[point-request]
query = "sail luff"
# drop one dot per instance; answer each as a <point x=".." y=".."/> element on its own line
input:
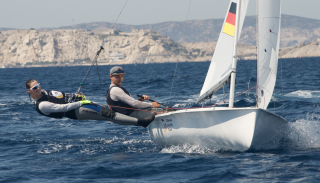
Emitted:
<point x="269" y="43"/>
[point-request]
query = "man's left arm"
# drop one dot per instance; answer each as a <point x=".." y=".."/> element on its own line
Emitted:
<point x="133" y="102"/>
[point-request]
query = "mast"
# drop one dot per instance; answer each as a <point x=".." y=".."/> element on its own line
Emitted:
<point x="257" y="43"/>
<point x="234" y="62"/>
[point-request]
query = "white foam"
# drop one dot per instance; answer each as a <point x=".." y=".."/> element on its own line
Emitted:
<point x="89" y="146"/>
<point x="303" y="134"/>
<point x="304" y="94"/>
<point x="51" y="148"/>
<point x="189" y="149"/>
<point x="69" y="146"/>
<point x="136" y="141"/>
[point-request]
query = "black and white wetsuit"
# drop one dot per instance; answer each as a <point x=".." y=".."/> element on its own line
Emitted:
<point x="57" y="104"/>
<point x="119" y="96"/>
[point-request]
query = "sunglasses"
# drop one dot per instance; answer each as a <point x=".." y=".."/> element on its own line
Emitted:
<point x="118" y="72"/>
<point x="35" y="87"/>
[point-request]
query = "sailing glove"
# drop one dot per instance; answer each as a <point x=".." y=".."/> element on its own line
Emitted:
<point x="85" y="102"/>
<point x="81" y="97"/>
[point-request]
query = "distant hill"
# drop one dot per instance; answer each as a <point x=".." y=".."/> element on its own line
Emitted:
<point x="4" y="29"/>
<point x="295" y="30"/>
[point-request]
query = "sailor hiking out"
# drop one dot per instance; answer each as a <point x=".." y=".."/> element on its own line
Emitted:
<point x="56" y="104"/>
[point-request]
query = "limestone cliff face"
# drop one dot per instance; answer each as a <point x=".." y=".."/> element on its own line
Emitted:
<point x="31" y="47"/>
<point x="311" y="49"/>
<point x="73" y="47"/>
<point x="248" y="52"/>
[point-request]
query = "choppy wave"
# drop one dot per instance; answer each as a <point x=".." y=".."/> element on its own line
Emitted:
<point x="38" y="149"/>
<point x="97" y="145"/>
<point x="303" y="135"/>
<point x="308" y="94"/>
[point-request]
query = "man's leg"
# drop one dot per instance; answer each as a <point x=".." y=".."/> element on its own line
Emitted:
<point x="96" y="112"/>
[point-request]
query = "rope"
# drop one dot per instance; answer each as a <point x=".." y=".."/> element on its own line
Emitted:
<point x="282" y="92"/>
<point x="119" y="14"/>
<point x="224" y="95"/>
<point x="98" y="73"/>
<point x="235" y="96"/>
<point x="252" y="70"/>
<point x="177" y="62"/>
<point x="110" y="106"/>
<point x="172" y="83"/>
<point x="188" y="10"/>
<point x="95" y="60"/>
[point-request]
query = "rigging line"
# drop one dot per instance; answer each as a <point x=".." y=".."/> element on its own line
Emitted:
<point x="137" y="109"/>
<point x="115" y="21"/>
<point x="235" y="96"/>
<point x="274" y="106"/>
<point x="101" y="48"/>
<point x="95" y="61"/>
<point x="119" y="15"/>
<point x="224" y="96"/>
<point x="98" y="73"/>
<point x="188" y="10"/>
<point x="85" y="77"/>
<point x="252" y="70"/>
<point x="224" y="101"/>
<point x="172" y="83"/>
<point x="282" y="91"/>
<point x="177" y="61"/>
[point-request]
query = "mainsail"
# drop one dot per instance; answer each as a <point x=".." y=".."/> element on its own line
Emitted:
<point x="220" y="67"/>
<point x="268" y="49"/>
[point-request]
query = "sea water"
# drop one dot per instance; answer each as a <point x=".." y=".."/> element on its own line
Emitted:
<point x="34" y="148"/>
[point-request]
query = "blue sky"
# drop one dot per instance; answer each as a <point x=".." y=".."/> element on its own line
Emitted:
<point x="26" y="14"/>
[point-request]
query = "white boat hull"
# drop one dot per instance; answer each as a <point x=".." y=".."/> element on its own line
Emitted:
<point x="219" y="128"/>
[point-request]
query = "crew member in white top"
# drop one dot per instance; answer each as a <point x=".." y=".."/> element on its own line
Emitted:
<point x="120" y="99"/>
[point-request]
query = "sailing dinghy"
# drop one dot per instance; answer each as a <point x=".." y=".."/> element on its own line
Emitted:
<point x="229" y="128"/>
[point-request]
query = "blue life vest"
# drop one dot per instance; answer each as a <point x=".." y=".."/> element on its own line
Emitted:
<point x="57" y="98"/>
<point x="113" y="103"/>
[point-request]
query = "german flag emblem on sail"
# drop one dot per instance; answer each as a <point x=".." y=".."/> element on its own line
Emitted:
<point x="229" y="26"/>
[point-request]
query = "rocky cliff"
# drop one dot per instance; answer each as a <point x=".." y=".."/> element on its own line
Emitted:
<point x="33" y="47"/>
<point x="73" y="47"/>
<point x="311" y="49"/>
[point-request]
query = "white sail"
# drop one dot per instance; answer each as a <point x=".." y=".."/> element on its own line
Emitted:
<point x="221" y="62"/>
<point x="268" y="49"/>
